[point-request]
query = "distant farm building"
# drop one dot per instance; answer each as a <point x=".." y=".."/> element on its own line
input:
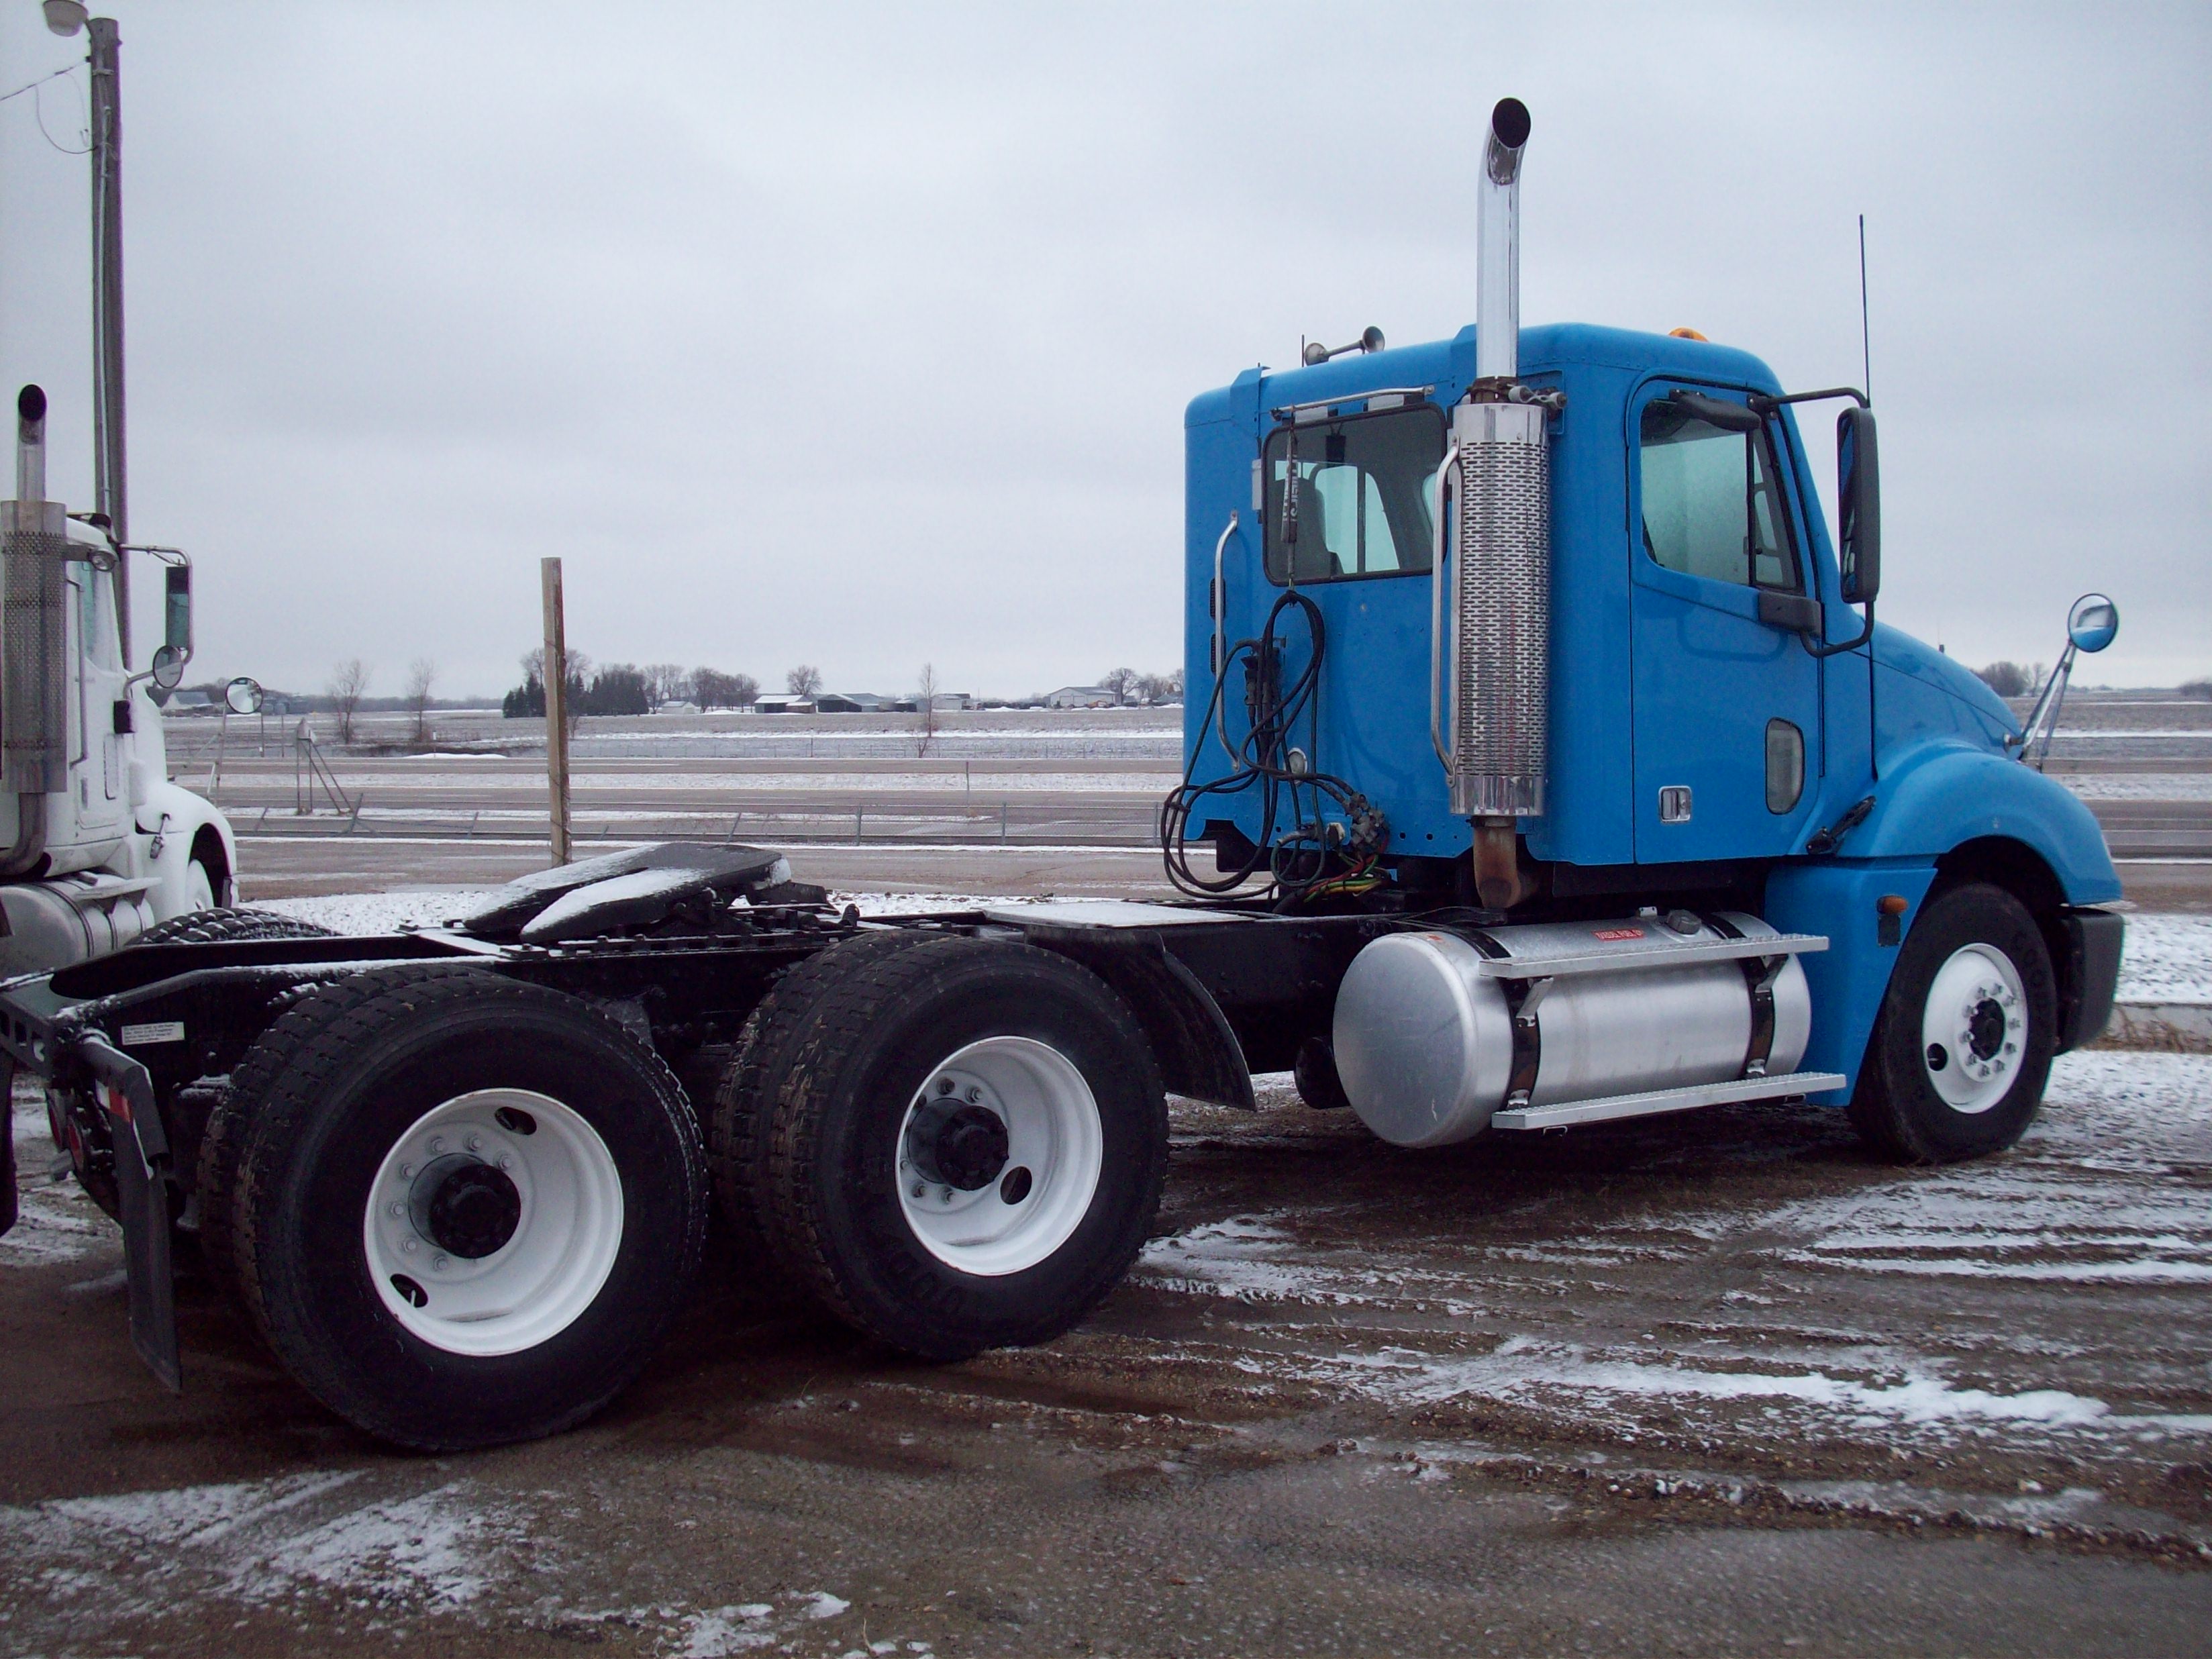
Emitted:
<point x="1080" y="696"/>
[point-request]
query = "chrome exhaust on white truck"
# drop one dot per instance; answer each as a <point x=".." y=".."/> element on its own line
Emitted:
<point x="34" y="620"/>
<point x="1497" y="475"/>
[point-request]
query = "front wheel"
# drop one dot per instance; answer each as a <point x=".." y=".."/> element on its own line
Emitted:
<point x="1962" y="1050"/>
<point x="967" y="1147"/>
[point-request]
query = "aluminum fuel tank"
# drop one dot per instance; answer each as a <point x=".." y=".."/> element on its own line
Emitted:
<point x="1425" y="1037"/>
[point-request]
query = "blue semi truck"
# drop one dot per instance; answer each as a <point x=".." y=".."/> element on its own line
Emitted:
<point x="1545" y="766"/>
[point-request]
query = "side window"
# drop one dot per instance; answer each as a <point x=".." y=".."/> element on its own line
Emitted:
<point x="1712" y="502"/>
<point x="1350" y="497"/>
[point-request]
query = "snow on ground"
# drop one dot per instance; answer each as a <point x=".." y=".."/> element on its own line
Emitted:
<point x="2102" y="1202"/>
<point x="2139" y="785"/>
<point x="380" y="913"/>
<point x="992" y="784"/>
<point x="384" y="1540"/>
<point x="2166" y="959"/>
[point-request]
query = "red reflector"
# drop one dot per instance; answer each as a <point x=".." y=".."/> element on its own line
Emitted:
<point x="1891" y="904"/>
<point x="1617" y="933"/>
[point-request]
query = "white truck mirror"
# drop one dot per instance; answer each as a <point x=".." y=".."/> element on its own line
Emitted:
<point x="243" y="696"/>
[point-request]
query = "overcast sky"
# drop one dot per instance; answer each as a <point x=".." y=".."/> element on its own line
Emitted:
<point x="861" y="336"/>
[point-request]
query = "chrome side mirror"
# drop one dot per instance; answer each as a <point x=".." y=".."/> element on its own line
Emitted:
<point x="168" y="668"/>
<point x="177" y="611"/>
<point x="2092" y="622"/>
<point x="243" y="696"/>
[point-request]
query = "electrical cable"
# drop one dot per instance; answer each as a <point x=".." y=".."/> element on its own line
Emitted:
<point x="1298" y="864"/>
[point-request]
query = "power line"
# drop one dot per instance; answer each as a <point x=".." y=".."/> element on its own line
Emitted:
<point x="66" y="68"/>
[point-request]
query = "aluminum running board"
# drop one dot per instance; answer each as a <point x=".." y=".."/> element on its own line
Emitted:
<point x="1656" y="1101"/>
<point x="1613" y="962"/>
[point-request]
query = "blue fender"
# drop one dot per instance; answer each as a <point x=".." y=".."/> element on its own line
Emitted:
<point x="1940" y="795"/>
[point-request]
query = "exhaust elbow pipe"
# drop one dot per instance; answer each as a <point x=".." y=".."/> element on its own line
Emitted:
<point x="1497" y="244"/>
<point x="31" y="445"/>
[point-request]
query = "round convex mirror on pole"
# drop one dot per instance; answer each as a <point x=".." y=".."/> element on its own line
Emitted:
<point x="243" y="696"/>
<point x="2092" y="622"/>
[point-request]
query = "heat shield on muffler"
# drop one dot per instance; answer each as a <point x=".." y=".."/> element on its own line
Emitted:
<point x="1501" y="625"/>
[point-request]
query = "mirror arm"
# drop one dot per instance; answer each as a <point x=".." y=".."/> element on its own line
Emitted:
<point x="1865" y="634"/>
<point x="1766" y="405"/>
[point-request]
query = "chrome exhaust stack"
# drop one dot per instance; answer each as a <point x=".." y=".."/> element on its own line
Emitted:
<point x="1498" y="474"/>
<point x="34" y="643"/>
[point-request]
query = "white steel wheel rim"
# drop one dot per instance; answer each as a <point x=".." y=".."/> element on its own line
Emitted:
<point x="564" y="1243"/>
<point x="1973" y="1029"/>
<point x="1054" y="1132"/>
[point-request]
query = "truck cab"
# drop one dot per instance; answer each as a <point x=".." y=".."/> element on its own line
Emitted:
<point x="1712" y="723"/>
<point x="96" y="844"/>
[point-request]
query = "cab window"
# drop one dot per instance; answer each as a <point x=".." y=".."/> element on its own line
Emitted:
<point x="1359" y="504"/>
<point x="1712" y="502"/>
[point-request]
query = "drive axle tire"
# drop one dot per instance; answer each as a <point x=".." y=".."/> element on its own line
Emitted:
<point x="466" y="1208"/>
<point x="1961" y="1051"/>
<point x="968" y="1143"/>
<point x="737" y="1127"/>
<point x="222" y="926"/>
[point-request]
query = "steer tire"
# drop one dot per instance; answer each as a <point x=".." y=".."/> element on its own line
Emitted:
<point x="836" y="1179"/>
<point x="1900" y="1106"/>
<point x="224" y="927"/>
<point x="388" y="1053"/>
<point x="738" y="1129"/>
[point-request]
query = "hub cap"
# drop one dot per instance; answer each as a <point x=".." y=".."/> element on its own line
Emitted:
<point x="1000" y="1156"/>
<point x="493" y="1222"/>
<point x="1973" y="1030"/>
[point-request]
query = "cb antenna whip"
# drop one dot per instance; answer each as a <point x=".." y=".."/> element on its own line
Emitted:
<point x="1866" y="352"/>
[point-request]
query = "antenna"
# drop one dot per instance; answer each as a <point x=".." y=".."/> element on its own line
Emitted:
<point x="1866" y="351"/>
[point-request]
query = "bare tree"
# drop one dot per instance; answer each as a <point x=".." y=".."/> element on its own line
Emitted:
<point x="348" y="683"/>
<point x="1123" y="683"/>
<point x="666" y="682"/>
<point x="421" y="675"/>
<point x="924" y="728"/>
<point x="804" y="681"/>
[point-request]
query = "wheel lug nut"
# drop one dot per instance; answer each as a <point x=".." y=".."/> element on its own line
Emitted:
<point x="407" y="1172"/>
<point x="506" y="1161"/>
<point x="919" y="1188"/>
<point x="476" y="1143"/>
<point x="437" y="1143"/>
<point x="408" y="1245"/>
<point x="399" y="1209"/>
<point x="975" y="1094"/>
<point x="438" y="1262"/>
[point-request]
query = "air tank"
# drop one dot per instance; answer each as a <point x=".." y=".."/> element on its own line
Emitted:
<point x="1425" y="1021"/>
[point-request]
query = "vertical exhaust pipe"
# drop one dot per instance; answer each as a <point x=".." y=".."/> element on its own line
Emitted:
<point x="1497" y="244"/>
<point x="33" y="656"/>
<point x="1501" y="581"/>
<point x="31" y="445"/>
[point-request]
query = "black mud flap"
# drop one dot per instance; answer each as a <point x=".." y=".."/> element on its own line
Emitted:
<point x="8" y="1147"/>
<point x="142" y="1185"/>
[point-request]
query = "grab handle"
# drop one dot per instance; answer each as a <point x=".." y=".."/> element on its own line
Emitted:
<point x="1443" y="474"/>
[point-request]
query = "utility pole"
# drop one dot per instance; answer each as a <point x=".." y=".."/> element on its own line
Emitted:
<point x="110" y="480"/>
<point x="557" y="707"/>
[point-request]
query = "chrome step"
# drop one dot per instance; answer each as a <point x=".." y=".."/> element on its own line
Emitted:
<point x="1655" y="1101"/>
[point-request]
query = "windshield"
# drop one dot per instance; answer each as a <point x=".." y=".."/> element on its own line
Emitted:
<point x="1361" y="506"/>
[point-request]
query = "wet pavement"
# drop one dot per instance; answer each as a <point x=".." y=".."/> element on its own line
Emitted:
<point x="1711" y="1383"/>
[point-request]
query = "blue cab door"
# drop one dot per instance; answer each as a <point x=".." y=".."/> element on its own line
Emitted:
<point x="1726" y="708"/>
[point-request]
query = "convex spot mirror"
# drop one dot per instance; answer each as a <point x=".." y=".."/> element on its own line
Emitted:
<point x="168" y="668"/>
<point x="1858" y="497"/>
<point x="2092" y="622"/>
<point x="242" y="696"/>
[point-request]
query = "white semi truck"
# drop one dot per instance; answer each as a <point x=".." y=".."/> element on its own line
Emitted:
<point x="97" y="846"/>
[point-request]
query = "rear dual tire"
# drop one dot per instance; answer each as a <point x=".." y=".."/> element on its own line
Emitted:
<point x="461" y="1210"/>
<point x="954" y="1143"/>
